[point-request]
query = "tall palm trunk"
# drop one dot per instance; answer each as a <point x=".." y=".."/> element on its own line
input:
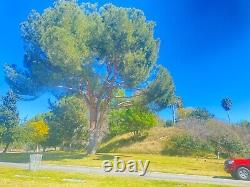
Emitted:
<point x="228" y="116"/>
<point x="173" y="114"/>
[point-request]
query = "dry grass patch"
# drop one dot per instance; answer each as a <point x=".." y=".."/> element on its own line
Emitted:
<point x="154" y="143"/>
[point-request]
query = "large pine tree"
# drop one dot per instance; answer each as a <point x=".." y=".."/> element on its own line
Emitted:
<point x="93" y="52"/>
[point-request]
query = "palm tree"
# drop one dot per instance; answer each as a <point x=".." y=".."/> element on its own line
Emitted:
<point x="226" y="104"/>
<point x="175" y="103"/>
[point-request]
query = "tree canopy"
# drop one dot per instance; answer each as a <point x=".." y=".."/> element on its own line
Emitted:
<point x="92" y="51"/>
<point x="135" y="120"/>
<point x="9" y="119"/>
<point x="201" y="113"/>
<point x="226" y="104"/>
<point x="68" y="119"/>
<point x="38" y="131"/>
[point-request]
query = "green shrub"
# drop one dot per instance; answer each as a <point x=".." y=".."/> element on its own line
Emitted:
<point x="168" y="123"/>
<point x="230" y="146"/>
<point x="201" y="114"/>
<point x="135" y="120"/>
<point x="186" y="145"/>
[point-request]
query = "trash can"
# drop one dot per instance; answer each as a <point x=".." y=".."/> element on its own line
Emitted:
<point x="35" y="162"/>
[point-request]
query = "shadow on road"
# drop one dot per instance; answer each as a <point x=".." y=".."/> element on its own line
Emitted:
<point x="222" y="177"/>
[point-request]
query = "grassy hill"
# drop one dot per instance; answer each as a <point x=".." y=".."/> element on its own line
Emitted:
<point x="190" y="137"/>
<point x="154" y="142"/>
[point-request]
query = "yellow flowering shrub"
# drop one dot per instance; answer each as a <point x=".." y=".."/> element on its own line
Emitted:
<point x="38" y="131"/>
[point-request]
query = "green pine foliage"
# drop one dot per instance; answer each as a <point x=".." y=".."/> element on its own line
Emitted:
<point x="9" y="119"/>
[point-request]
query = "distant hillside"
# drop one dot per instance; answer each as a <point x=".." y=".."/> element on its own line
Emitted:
<point x="191" y="136"/>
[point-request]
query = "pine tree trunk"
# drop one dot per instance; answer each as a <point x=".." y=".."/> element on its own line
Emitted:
<point x="6" y="148"/>
<point x="97" y="129"/>
<point x="93" y="142"/>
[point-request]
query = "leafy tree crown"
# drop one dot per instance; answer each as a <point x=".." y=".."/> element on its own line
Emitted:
<point x="226" y="103"/>
<point x="93" y="51"/>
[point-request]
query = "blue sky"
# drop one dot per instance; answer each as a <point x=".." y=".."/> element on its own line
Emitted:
<point x="205" y="44"/>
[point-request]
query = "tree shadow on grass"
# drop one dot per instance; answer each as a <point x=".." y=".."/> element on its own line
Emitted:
<point x="55" y="156"/>
<point x="14" y="157"/>
<point x="103" y="156"/>
<point x="48" y="156"/>
<point x="114" y="146"/>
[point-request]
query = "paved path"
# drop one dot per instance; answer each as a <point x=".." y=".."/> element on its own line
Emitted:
<point x="149" y="175"/>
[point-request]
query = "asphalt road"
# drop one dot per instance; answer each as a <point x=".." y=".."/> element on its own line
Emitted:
<point x="149" y="175"/>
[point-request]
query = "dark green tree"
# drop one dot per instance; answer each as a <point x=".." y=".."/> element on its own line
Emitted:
<point x="91" y="51"/>
<point x="9" y="119"/>
<point x="68" y="119"/>
<point x="135" y="119"/>
<point x="201" y="114"/>
<point x="230" y="145"/>
<point x="54" y="138"/>
<point x="244" y="123"/>
<point x="226" y="104"/>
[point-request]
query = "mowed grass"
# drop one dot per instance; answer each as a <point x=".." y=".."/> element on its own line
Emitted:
<point x="160" y="163"/>
<point x="10" y="177"/>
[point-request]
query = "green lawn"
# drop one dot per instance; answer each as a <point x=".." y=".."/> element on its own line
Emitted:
<point x="169" y="164"/>
<point x="10" y="177"/>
